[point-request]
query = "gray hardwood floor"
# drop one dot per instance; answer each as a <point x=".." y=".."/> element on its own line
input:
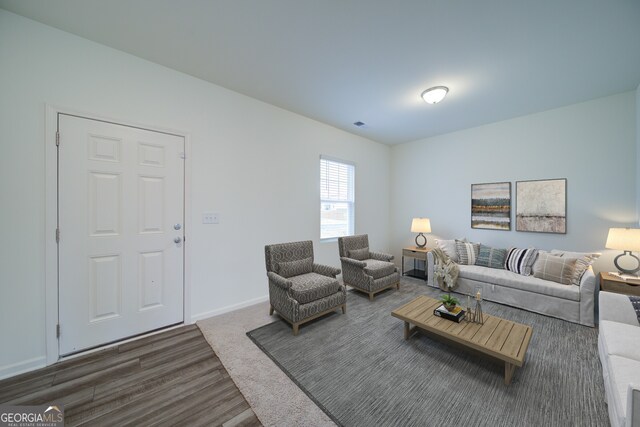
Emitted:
<point x="171" y="378"/>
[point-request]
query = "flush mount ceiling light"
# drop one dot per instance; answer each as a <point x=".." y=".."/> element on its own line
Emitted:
<point x="434" y="94"/>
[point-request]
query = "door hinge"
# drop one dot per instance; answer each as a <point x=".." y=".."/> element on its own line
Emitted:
<point x="58" y="330"/>
<point x="57" y="235"/>
<point x="57" y="139"/>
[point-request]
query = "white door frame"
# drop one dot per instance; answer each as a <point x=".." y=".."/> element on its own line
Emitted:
<point x="51" y="218"/>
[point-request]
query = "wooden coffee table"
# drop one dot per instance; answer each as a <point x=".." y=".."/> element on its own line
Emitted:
<point x="498" y="338"/>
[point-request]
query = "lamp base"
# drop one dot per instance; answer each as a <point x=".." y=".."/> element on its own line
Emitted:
<point x="624" y="270"/>
<point x="423" y="245"/>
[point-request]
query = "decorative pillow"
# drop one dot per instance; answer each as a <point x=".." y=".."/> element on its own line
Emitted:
<point x="491" y="257"/>
<point x="555" y="268"/>
<point x="520" y="260"/>
<point x="467" y="252"/>
<point x="449" y="248"/>
<point x="359" y="254"/>
<point x="585" y="259"/>
<point x="295" y="268"/>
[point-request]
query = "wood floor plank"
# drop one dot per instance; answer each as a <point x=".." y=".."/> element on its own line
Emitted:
<point x="135" y="413"/>
<point x="213" y="396"/>
<point x="11" y="391"/>
<point x="117" y="399"/>
<point x="245" y="418"/>
<point x="157" y="380"/>
<point x="131" y="345"/>
<point x="143" y="375"/>
<point x="76" y="361"/>
<point x="58" y="391"/>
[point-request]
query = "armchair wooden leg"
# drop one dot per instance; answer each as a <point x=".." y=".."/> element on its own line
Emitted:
<point x="370" y="296"/>
<point x="296" y="327"/>
<point x="344" y="308"/>
<point x="270" y="310"/>
<point x="398" y="285"/>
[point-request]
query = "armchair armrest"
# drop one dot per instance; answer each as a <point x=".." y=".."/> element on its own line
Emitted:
<point x="354" y="262"/>
<point x="380" y="256"/>
<point x="588" y="297"/>
<point x="279" y="280"/>
<point x="326" y="270"/>
<point x="616" y="308"/>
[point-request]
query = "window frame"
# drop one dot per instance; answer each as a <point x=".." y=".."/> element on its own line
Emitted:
<point x="351" y="203"/>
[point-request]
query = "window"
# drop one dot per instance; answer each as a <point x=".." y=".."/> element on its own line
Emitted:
<point x="336" y="198"/>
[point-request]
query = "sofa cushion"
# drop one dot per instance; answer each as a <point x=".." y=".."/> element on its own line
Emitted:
<point x="467" y="252"/>
<point x="378" y="269"/>
<point x="585" y="259"/>
<point x="294" y="268"/>
<point x="309" y="287"/>
<point x="359" y="254"/>
<point x="520" y="260"/>
<point x="620" y="339"/>
<point x="449" y="248"/>
<point x="555" y="268"/>
<point x="513" y="280"/>
<point x="491" y="257"/>
<point x="622" y="372"/>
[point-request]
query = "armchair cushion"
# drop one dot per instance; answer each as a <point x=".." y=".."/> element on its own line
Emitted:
<point x="310" y="287"/>
<point x="378" y="269"/>
<point x="289" y="269"/>
<point x="359" y="254"/>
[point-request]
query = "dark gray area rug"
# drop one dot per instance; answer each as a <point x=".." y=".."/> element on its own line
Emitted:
<point x="359" y="369"/>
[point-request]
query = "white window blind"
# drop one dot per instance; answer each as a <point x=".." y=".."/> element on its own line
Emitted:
<point x="336" y="198"/>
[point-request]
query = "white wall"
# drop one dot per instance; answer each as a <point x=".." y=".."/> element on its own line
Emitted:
<point x="592" y="144"/>
<point x="638" y="154"/>
<point x="255" y="164"/>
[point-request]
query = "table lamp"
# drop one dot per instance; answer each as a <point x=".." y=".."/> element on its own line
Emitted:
<point x="421" y="225"/>
<point x="626" y="240"/>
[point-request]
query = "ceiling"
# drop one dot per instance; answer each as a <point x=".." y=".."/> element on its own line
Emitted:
<point x="342" y="61"/>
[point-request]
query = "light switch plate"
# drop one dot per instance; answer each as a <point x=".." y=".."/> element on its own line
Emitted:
<point x="210" y="218"/>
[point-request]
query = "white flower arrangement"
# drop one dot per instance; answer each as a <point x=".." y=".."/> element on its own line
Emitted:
<point x="443" y="271"/>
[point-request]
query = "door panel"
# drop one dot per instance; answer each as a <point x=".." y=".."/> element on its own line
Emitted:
<point x="121" y="190"/>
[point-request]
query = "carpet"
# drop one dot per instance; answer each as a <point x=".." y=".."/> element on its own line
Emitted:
<point x="358" y="369"/>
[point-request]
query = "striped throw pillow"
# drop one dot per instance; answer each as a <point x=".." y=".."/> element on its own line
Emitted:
<point x="467" y="252"/>
<point x="491" y="257"/>
<point x="520" y="260"/>
<point x="555" y="268"/>
<point x="583" y="263"/>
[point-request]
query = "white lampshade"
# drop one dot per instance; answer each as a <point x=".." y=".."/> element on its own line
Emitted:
<point x="421" y="225"/>
<point x="624" y="239"/>
<point x="435" y="94"/>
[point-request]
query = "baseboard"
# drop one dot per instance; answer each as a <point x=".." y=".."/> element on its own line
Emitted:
<point x="228" y="308"/>
<point x="22" y="367"/>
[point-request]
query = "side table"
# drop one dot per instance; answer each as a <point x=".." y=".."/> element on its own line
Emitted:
<point x="417" y="254"/>
<point x="611" y="283"/>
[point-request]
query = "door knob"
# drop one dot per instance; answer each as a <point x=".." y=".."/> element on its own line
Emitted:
<point x="177" y="226"/>
<point x="177" y="240"/>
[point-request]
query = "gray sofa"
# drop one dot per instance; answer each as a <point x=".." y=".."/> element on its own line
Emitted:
<point x="569" y="302"/>
<point x="619" y="350"/>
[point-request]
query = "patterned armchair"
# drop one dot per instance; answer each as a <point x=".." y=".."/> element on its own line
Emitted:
<point x="299" y="289"/>
<point x="365" y="270"/>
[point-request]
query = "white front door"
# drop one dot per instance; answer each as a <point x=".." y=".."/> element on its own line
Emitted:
<point x="121" y="216"/>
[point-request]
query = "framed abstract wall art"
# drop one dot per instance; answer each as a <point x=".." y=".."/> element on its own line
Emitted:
<point x="541" y="206"/>
<point x="491" y="206"/>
